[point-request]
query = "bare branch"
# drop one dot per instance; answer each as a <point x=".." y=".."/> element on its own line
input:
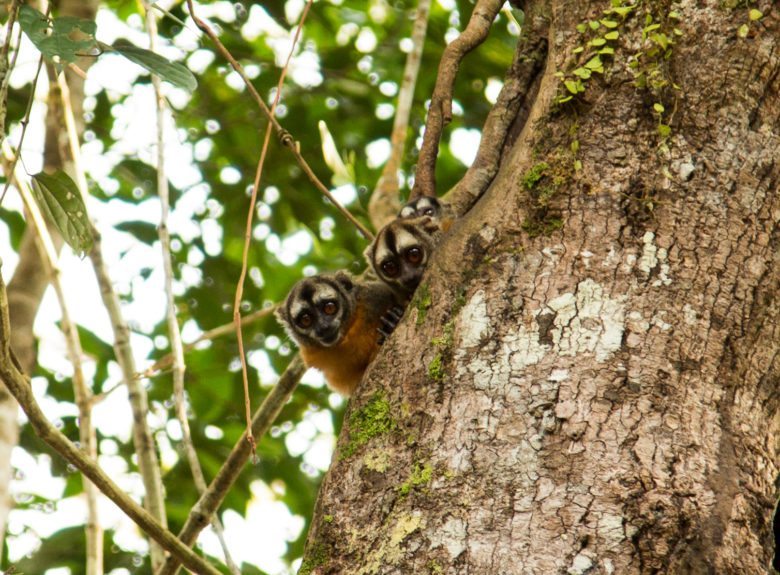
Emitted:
<point x="19" y="387"/>
<point x="5" y="68"/>
<point x="527" y="63"/>
<point x="440" y="111"/>
<point x="82" y="392"/>
<point x="166" y="361"/>
<point x="284" y="136"/>
<point x="177" y="349"/>
<point x="385" y="203"/>
<point x="24" y="123"/>
<point x="210" y="501"/>
<point x="142" y="436"/>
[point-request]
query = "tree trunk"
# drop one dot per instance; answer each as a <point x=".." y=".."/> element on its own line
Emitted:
<point x="595" y="385"/>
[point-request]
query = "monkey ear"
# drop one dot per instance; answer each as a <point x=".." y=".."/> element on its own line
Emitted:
<point x="345" y="280"/>
<point x="281" y="314"/>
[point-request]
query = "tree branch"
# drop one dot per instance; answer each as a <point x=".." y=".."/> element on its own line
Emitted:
<point x="144" y="445"/>
<point x="528" y="61"/>
<point x="385" y="201"/>
<point x="174" y="333"/>
<point x="229" y="328"/>
<point x="440" y="111"/>
<point x="210" y="501"/>
<point x="82" y="392"/>
<point x="19" y="387"/>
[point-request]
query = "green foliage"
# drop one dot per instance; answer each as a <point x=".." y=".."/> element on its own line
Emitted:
<point x="436" y="369"/>
<point x="66" y="38"/>
<point x="422" y="302"/>
<point x="60" y="202"/>
<point x="173" y="72"/>
<point x="598" y="40"/>
<point x="318" y="556"/>
<point x="532" y="176"/>
<point x="421" y="476"/>
<point x="371" y="420"/>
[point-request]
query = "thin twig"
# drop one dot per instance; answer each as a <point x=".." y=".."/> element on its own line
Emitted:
<point x="248" y="230"/>
<point x="20" y="388"/>
<point x="82" y="392"/>
<point x="144" y="445"/>
<point x="174" y="332"/>
<point x="440" y="110"/>
<point x="285" y="137"/>
<point x="385" y="203"/>
<point x="25" y="122"/>
<point x="210" y="501"/>
<point x="5" y="68"/>
<point x="527" y="64"/>
<point x="166" y="361"/>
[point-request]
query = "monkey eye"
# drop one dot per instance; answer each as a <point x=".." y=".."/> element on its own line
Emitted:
<point x="414" y="256"/>
<point x="428" y="212"/>
<point x="305" y="320"/>
<point x="390" y="268"/>
<point x="330" y="307"/>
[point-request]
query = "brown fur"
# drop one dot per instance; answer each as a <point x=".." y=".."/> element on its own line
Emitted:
<point x="344" y="363"/>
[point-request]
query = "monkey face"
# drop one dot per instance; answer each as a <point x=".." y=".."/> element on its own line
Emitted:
<point x="318" y="309"/>
<point x="401" y="250"/>
<point x="422" y="206"/>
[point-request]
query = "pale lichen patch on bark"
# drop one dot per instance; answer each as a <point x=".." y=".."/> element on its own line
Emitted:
<point x="451" y="536"/>
<point x="474" y="320"/>
<point x="389" y="551"/>
<point x="588" y="321"/>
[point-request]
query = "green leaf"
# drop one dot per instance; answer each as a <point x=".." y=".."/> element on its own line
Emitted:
<point x="658" y="108"/>
<point x="609" y="23"/>
<point x="674" y="15"/>
<point x="575" y="146"/>
<point x="65" y="38"/>
<point x="578" y="50"/>
<point x="593" y="25"/>
<point x="755" y="14"/>
<point x="581" y="28"/>
<point x="664" y="130"/>
<point x="564" y="99"/>
<point x="577" y="165"/>
<point x="594" y="63"/>
<point x="613" y="35"/>
<point x="742" y="32"/>
<point x="572" y="86"/>
<point x="60" y="201"/>
<point x="173" y="72"/>
<point x="598" y="42"/>
<point x="140" y="230"/>
<point x="583" y="73"/>
<point x="608" y="50"/>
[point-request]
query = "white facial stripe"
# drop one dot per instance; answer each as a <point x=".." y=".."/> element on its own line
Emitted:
<point x="382" y="252"/>
<point x="404" y="240"/>
<point x="298" y="305"/>
<point x="325" y="292"/>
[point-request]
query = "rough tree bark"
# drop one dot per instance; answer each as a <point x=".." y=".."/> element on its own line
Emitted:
<point x="592" y="385"/>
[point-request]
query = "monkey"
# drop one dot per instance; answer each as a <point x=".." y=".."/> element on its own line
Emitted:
<point x="438" y="211"/>
<point x="400" y="252"/>
<point x="339" y="322"/>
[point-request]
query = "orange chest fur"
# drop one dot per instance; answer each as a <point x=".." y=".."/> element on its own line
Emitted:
<point x="343" y="364"/>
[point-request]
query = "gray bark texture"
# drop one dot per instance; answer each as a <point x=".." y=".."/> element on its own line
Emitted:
<point x="588" y="379"/>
